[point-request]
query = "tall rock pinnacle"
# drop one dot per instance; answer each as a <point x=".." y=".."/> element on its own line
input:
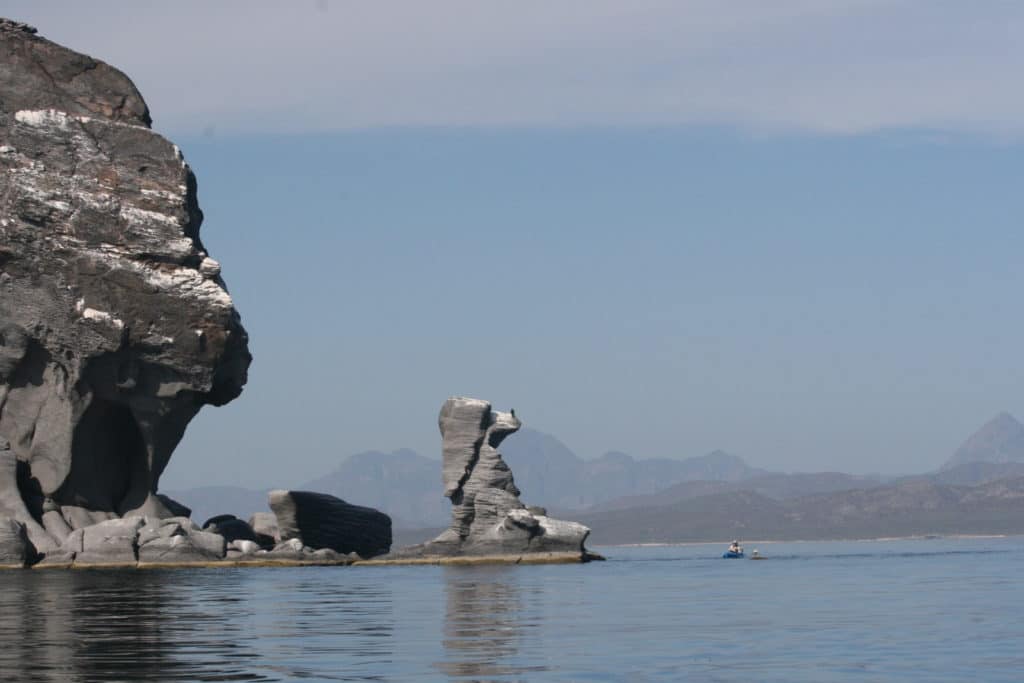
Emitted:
<point x="488" y="518"/>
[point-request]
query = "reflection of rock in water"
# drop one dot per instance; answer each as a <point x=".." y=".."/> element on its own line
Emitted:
<point x="128" y="626"/>
<point x="345" y="626"/>
<point x="484" y="623"/>
<point x="37" y="646"/>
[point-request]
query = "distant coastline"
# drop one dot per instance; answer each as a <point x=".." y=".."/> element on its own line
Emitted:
<point x="882" y="539"/>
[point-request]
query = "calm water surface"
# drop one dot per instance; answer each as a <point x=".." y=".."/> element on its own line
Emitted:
<point x="928" y="610"/>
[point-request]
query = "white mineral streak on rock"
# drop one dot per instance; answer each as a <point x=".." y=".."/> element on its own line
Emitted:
<point x="186" y="282"/>
<point x="59" y="119"/>
<point x="102" y="316"/>
<point x="189" y="283"/>
<point x="209" y="267"/>
<point x="133" y="215"/>
<point x="164" y="194"/>
<point x="181" y="159"/>
<point x="46" y="117"/>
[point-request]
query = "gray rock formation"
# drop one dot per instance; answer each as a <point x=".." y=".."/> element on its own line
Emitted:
<point x="176" y="541"/>
<point x="115" y="324"/>
<point x="488" y="517"/>
<point x="231" y="528"/>
<point x="264" y="525"/>
<point x="13" y="543"/>
<point x="320" y="521"/>
<point x="113" y="542"/>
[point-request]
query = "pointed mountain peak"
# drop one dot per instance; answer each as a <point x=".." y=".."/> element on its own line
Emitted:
<point x="999" y="440"/>
<point x="1004" y="420"/>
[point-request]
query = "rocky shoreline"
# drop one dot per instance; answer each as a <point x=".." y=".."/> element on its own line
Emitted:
<point x="116" y="328"/>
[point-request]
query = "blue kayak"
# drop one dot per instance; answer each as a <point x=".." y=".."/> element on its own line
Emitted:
<point x="727" y="555"/>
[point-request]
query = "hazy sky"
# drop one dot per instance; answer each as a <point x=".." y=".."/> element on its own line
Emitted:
<point x="791" y="230"/>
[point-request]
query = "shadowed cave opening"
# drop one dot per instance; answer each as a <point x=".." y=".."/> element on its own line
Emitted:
<point x="106" y="451"/>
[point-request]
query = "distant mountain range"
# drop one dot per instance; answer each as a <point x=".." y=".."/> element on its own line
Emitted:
<point x="407" y="485"/>
<point x="709" y="497"/>
<point x="906" y="509"/>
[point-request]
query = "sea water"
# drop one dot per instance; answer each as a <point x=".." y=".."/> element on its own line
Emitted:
<point x="921" y="610"/>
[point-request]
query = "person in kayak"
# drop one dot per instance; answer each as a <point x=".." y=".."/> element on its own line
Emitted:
<point x="736" y="548"/>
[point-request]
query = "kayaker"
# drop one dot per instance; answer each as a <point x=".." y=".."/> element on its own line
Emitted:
<point x="735" y="548"/>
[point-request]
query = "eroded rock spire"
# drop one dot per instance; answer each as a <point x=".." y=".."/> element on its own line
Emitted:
<point x="488" y="517"/>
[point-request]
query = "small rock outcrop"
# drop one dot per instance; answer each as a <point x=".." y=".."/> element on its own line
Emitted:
<point x="13" y="544"/>
<point x="231" y="528"/>
<point x="115" y="324"/>
<point x="488" y="517"/>
<point x="321" y="521"/>
<point x="264" y="525"/>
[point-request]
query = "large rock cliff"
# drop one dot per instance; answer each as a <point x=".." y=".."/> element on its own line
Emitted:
<point x="115" y="324"/>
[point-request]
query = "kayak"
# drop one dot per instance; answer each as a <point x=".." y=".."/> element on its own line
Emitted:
<point x="728" y="555"/>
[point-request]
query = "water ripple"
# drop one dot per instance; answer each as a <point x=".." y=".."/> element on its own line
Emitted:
<point x="933" y="610"/>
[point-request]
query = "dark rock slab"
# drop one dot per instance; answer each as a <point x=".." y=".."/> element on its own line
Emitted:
<point x="174" y="507"/>
<point x="320" y="521"/>
<point x="231" y="528"/>
<point x="38" y="74"/>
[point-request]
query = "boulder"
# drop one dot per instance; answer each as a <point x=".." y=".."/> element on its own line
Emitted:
<point x="488" y="518"/>
<point x="231" y="528"/>
<point x="113" y="542"/>
<point x="14" y="546"/>
<point x="12" y="503"/>
<point x="264" y="525"/>
<point x="244" y="547"/>
<point x="209" y="543"/>
<point x="54" y="522"/>
<point x="291" y="549"/>
<point x="73" y="543"/>
<point x="320" y="521"/>
<point x="115" y="324"/>
<point x="179" y="545"/>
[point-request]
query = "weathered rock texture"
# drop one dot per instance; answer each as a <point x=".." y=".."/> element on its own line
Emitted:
<point x="319" y="521"/>
<point x="13" y="543"/>
<point x="115" y="325"/>
<point x="231" y="528"/>
<point x="488" y="517"/>
<point x="264" y="525"/>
